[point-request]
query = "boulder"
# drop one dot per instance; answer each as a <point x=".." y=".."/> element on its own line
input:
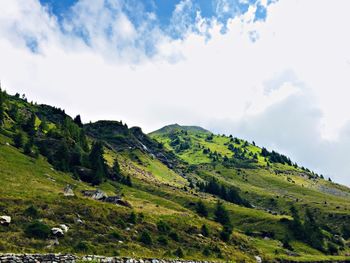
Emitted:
<point x="123" y="203"/>
<point x="58" y="232"/>
<point x="64" y="228"/>
<point x="258" y="259"/>
<point x="5" y="220"/>
<point x="95" y="194"/>
<point x="68" y="191"/>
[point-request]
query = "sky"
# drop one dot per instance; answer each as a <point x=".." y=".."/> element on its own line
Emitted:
<point x="273" y="71"/>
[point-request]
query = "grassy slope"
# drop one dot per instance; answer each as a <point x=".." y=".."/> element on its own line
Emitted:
<point x="271" y="188"/>
<point x="26" y="181"/>
<point x="158" y="193"/>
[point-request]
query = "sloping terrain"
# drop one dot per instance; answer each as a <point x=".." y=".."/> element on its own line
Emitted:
<point x="167" y="184"/>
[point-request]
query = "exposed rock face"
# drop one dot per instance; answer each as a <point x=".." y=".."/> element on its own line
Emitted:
<point x="118" y="201"/>
<point x="95" y="194"/>
<point x="68" y="191"/>
<point x="102" y="196"/>
<point x="5" y="220"/>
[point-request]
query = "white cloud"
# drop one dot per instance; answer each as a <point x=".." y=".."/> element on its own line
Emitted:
<point x="288" y="89"/>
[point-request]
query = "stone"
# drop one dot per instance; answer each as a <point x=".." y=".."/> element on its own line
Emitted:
<point x="64" y="228"/>
<point x="68" y="191"/>
<point x="58" y="232"/>
<point x="95" y="194"/>
<point x="5" y="220"/>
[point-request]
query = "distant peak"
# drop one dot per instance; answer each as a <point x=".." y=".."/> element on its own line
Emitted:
<point x="174" y="127"/>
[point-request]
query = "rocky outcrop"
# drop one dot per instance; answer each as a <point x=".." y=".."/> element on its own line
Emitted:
<point x="102" y="196"/>
<point x="68" y="191"/>
<point x="5" y="220"/>
<point x="51" y="258"/>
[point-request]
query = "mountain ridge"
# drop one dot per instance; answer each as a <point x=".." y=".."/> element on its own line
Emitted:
<point x="185" y="193"/>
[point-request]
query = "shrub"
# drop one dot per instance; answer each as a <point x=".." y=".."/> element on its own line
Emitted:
<point x="179" y="252"/>
<point x="174" y="236"/>
<point x="163" y="240"/>
<point x="81" y="247"/>
<point x="18" y="140"/>
<point x="31" y="211"/>
<point x="115" y="235"/>
<point x="206" y="252"/>
<point x="146" y="238"/>
<point x="205" y="230"/>
<point x="201" y="209"/>
<point x="37" y="230"/>
<point x="163" y="227"/>
<point x="121" y="223"/>
<point x="133" y="218"/>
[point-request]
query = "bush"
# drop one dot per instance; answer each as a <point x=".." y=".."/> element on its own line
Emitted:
<point x="174" y="236"/>
<point x="115" y="235"/>
<point x="133" y="218"/>
<point x="18" y="140"/>
<point x="333" y="249"/>
<point x="31" y="211"/>
<point x="146" y="238"/>
<point x="206" y="252"/>
<point x="82" y="247"/>
<point x="121" y="223"/>
<point x="201" y="209"/>
<point x="163" y="240"/>
<point x="179" y="252"/>
<point x="37" y="230"/>
<point x="205" y="230"/>
<point x="163" y="227"/>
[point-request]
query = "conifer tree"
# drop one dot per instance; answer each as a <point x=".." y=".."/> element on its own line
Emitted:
<point x="221" y="214"/>
<point x="97" y="163"/>
<point x="201" y="209"/>
<point x="2" y="110"/>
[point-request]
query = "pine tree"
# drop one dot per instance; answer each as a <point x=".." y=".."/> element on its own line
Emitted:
<point x="77" y="121"/>
<point x="2" y="110"/>
<point x="205" y="230"/>
<point x="201" y="209"/>
<point x="18" y="139"/>
<point x="61" y="157"/>
<point x="296" y="225"/>
<point x="97" y="163"/>
<point x="116" y="170"/>
<point x="221" y="214"/>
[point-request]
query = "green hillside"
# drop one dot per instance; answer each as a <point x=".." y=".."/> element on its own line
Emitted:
<point x="182" y="192"/>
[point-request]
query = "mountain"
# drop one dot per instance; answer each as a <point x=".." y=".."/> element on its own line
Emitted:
<point x="179" y="192"/>
<point x="176" y="127"/>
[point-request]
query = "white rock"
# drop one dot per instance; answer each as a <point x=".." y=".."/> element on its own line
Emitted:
<point x="57" y="231"/>
<point x="258" y="259"/>
<point x="64" y="228"/>
<point x="5" y="220"/>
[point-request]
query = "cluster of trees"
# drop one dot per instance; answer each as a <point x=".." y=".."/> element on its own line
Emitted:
<point x="227" y="193"/>
<point x="63" y="143"/>
<point x="309" y="231"/>
<point x="178" y="143"/>
<point x="275" y="157"/>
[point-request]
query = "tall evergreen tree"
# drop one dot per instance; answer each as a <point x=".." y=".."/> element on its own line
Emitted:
<point x="77" y="121"/>
<point x="97" y="163"/>
<point x="2" y="110"/>
<point x="201" y="209"/>
<point x="221" y="214"/>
